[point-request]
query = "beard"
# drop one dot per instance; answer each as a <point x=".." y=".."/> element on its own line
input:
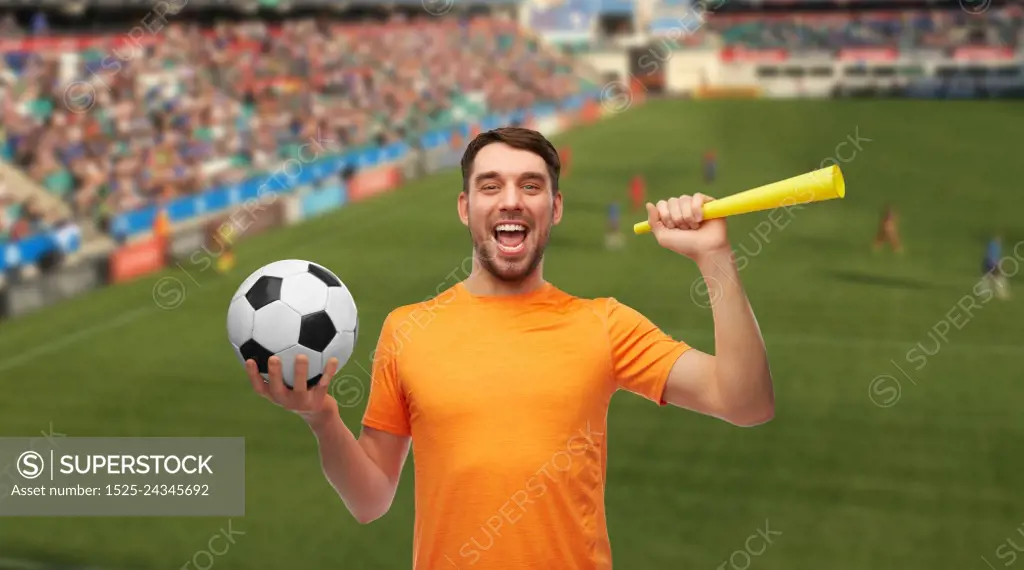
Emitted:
<point x="511" y="270"/>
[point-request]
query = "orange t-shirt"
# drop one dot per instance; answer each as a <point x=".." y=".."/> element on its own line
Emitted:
<point x="506" y="399"/>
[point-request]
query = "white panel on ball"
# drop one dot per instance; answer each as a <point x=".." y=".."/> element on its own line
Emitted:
<point x="316" y="363"/>
<point x="341" y="307"/>
<point x="286" y="268"/>
<point x="341" y="348"/>
<point x="304" y="293"/>
<point x="241" y="318"/>
<point x="276" y="327"/>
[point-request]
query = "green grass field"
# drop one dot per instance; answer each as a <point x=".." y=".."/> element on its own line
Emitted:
<point x="932" y="481"/>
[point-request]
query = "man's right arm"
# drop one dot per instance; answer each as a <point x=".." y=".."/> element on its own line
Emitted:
<point x="364" y="471"/>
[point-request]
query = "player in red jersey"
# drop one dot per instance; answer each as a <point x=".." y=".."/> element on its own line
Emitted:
<point x="638" y="192"/>
<point x="565" y="155"/>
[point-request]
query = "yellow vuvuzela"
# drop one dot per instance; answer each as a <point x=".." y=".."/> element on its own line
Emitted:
<point x="816" y="186"/>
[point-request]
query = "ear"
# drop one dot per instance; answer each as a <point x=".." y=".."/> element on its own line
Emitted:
<point x="464" y="207"/>
<point x="556" y="209"/>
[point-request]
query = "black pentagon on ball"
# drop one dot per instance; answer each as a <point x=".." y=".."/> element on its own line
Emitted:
<point x="252" y="350"/>
<point x="323" y="275"/>
<point x="316" y="331"/>
<point x="264" y="291"/>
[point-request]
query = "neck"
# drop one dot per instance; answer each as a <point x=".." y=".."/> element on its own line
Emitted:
<point x="481" y="282"/>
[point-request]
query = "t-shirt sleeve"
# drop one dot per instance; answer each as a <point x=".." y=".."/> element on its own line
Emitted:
<point x="642" y="354"/>
<point x="388" y="410"/>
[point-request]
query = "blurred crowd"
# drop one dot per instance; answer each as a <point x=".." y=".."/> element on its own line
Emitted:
<point x="932" y="29"/>
<point x="117" y="123"/>
<point x="935" y="29"/>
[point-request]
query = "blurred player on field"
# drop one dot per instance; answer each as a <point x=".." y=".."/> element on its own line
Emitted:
<point x="565" y="155"/>
<point x="992" y="275"/>
<point x="613" y="238"/>
<point x="710" y="166"/>
<point x="638" y="192"/>
<point x="225" y="236"/>
<point x="888" y="230"/>
<point x="226" y="260"/>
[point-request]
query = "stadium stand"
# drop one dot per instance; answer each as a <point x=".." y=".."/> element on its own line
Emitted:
<point x="898" y="29"/>
<point x="108" y="124"/>
<point x="902" y="29"/>
<point x="130" y="120"/>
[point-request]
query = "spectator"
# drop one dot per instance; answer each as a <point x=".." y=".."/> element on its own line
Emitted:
<point x="121" y="125"/>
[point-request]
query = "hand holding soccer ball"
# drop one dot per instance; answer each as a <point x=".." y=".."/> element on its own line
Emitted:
<point x="292" y="323"/>
<point x="307" y="402"/>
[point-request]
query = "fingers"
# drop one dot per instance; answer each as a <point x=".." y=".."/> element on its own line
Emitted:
<point x="299" y="398"/>
<point x="301" y="374"/>
<point x="665" y="215"/>
<point x="697" y="206"/>
<point x="685" y="212"/>
<point x="680" y="212"/>
<point x="277" y="388"/>
<point x="329" y="371"/>
<point x="256" y="379"/>
<point x="654" y="217"/>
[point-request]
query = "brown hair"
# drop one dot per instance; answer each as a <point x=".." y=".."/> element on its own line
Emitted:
<point x="515" y="137"/>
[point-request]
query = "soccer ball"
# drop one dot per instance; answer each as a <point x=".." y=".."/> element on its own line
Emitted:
<point x="289" y="308"/>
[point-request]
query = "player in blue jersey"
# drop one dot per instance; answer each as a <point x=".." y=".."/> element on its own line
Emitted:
<point x="992" y="274"/>
<point x="710" y="163"/>
<point x="613" y="238"/>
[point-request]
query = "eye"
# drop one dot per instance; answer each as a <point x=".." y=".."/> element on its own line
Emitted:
<point x="531" y="187"/>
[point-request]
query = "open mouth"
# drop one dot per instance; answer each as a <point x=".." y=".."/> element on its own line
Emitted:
<point x="511" y="237"/>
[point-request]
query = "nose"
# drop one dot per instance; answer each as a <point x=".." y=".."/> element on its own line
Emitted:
<point x="511" y="198"/>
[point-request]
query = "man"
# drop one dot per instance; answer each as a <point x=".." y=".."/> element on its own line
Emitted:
<point x="710" y="166"/>
<point x="502" y="382"/>
<point x="613" y="238"/>
<point x="225" y="237"/>
<point x="888" y="231"/>
<point x="565" y="155"/>
<point x="992" y="275"/>
<point x="226" y="259"/>
<point x="162" y="221"/>
<point x="638" y="192"/>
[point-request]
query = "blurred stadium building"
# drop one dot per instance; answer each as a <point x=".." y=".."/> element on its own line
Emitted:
<point x="136" y="133"/>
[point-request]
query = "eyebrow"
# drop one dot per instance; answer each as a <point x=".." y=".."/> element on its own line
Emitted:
<point x="491" y="175"/>
<point x="532" y="176"/>
<point x="495" y="175"/>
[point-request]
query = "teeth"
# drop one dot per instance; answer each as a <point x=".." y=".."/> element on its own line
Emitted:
<point x="511" y="228"/>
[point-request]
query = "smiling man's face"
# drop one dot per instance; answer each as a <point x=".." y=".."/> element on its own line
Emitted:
<point x="509" y="207"/>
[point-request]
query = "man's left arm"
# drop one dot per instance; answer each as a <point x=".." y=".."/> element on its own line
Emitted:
<point x="735" y="384"/>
